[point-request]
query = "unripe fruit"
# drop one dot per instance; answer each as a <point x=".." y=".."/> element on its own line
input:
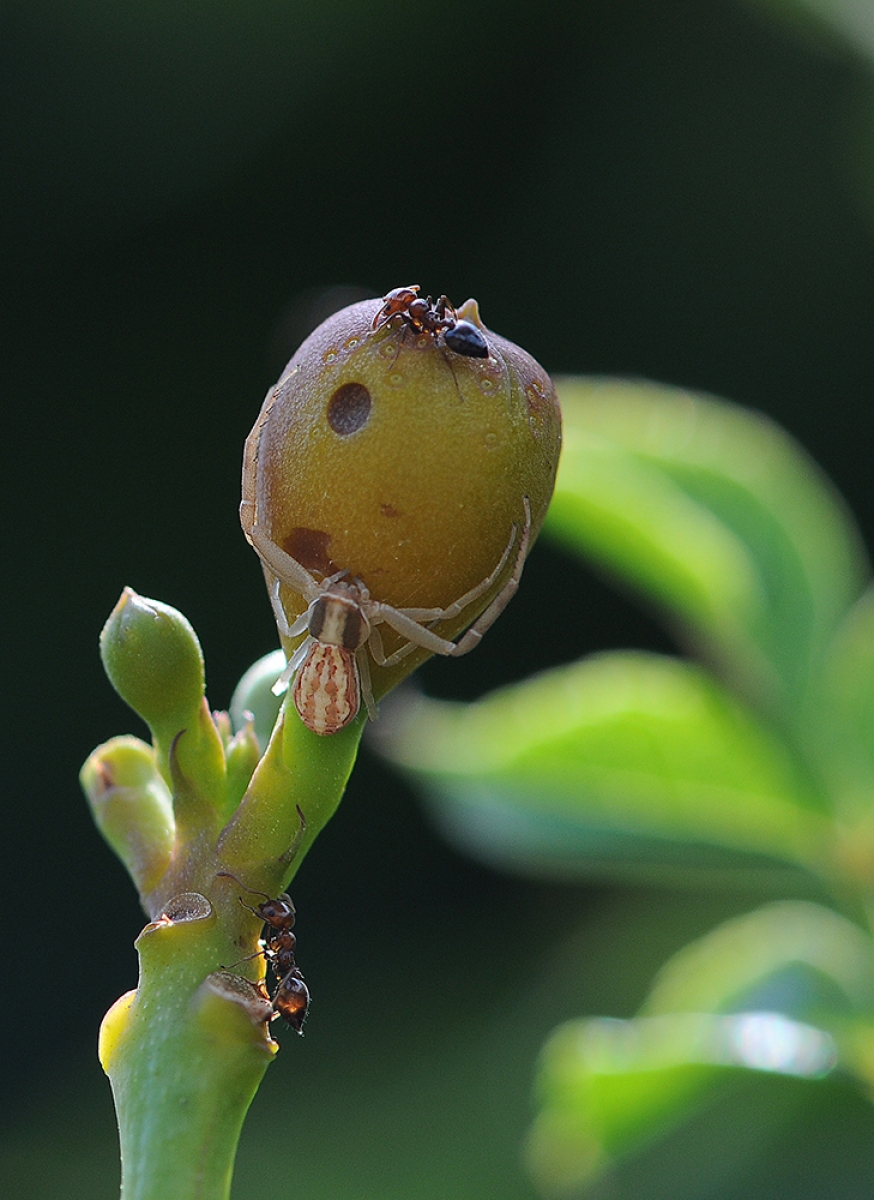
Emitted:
<point x="385" y="453"/>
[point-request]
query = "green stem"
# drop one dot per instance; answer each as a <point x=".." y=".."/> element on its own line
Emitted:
<point x="299" y="773"/>
<point x="185" y="1054"/>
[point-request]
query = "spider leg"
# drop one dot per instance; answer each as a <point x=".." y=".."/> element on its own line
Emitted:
<point x="287" y="569"/>
<point x="300" y="622"/>
<point x="401" y="622"/>
<point x="365" y="684"/>
<point x="378" y="652"/>
<point x="294" y="663"/>
<point x="248" y="505"/>
<point x="416" y="634"/>
<point x="333" y="578"/>
<point x="444" y="614"/>
<point x="247" y="515"/>
<point x="487" y="618"/>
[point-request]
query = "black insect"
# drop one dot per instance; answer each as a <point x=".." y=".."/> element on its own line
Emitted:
<point x="405" y="307"/>
<point x="290" y="997"/>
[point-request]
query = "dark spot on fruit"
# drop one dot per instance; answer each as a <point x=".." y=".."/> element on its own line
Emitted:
<point x="389" y="510"/>
<point x="349" y="409"/>
<point x="310" y="548"/>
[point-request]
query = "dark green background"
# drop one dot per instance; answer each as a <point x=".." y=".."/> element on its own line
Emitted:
<point x="673" y="190"/>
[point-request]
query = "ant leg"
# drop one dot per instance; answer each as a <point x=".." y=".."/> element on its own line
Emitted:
<point x="442" y="307"/>
<point x="248" y="907"/>
<point x="446" y="359"/>
<point x="249" y="957"/>
<point x="401" y="341"/>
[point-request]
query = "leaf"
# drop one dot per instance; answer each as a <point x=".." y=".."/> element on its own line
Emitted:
<point x="841" y="726"/>
<point x="607" y="1088"/>
<point x="716" y="514"/>
<point x="783" y="952"/>
<point x="785" y="989"/>
<point x="625" y="758"/>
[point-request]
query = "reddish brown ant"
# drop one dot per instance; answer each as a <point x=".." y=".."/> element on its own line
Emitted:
<point x="291" y="997"/>
<point x="395" y="303"/>
<point x="426" y="316"/>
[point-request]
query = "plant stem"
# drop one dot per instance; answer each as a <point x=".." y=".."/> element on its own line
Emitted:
<point x="185" y="1054"/>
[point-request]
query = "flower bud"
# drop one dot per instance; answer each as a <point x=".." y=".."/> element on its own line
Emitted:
<point x="242" y="754"/>
<point x="254" y="695"/>
<point x="131" y="807"/>
<point x="153" y="660"/>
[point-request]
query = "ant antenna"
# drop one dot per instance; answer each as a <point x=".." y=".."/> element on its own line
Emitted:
<point x="231" y="875"/>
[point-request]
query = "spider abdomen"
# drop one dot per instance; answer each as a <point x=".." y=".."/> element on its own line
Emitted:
<point x="326" y="690"/>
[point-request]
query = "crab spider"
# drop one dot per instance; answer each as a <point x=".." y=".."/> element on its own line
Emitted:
<point x="330" y="667"/>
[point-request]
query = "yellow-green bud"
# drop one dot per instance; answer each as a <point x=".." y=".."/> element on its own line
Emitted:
<point x="131" y="807"/>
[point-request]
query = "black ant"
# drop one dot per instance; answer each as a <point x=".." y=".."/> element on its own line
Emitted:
<point x="291" y="997"/>
<point x="426" y="316"/>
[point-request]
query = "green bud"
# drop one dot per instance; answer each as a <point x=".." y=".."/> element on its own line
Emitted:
<point x="253" y="695"/>
<point x="153" y="660"/>
<point x="222" y="722"/>
<point x="242" y="754"/>
<point x="131" y="807"/>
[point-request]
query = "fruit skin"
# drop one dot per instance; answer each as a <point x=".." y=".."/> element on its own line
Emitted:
<point x="384" y="453"/>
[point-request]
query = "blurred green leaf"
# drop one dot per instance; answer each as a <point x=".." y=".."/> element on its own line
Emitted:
<point x="785" y="989"/>
<point x="609" y="1087"/>
<point x="753" y="960"/>
<point x="831" y="23"/>
<point x="720" y="517"/>
<point x="627" y="759"/>
<point x="841" y="726"/>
